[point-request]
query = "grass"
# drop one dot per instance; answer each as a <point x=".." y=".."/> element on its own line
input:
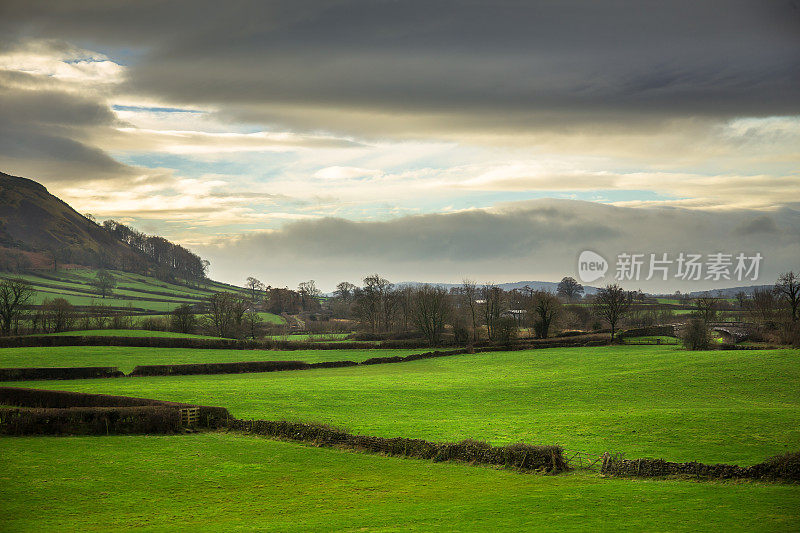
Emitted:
<point x="268" y="318"/>
<point x="142" y="292"/>
<point x="128" y="333"/>
<point x="645" y="401"/>
<point x="271" y="318"/>
<point x="219" y="482"/>
<point x="126" y="357"/>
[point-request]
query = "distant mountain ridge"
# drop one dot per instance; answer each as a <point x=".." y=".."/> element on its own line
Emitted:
<point x="549" y="286"/>
<point x="730" y="292"/>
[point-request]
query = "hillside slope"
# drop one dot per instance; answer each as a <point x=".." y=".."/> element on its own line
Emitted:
<point x="34" y="220"/>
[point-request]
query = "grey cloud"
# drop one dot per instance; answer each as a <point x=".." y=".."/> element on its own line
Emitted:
<point x="452" y="65"/>
<point x="761" y="224"/>
<point x="45" y="134"/>
<point x="531" y="240"/>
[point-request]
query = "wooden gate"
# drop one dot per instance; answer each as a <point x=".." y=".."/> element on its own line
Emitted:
<point x="190" y="416"/>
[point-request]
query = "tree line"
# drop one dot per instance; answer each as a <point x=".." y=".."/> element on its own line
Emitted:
<point x="379" y="309"/>
<point x="171" y="260"/>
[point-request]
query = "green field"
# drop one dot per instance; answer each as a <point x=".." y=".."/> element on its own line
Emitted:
<point x="128" y="333"/>
<point x="643" y="401"/>
<point x="218" y="482"/>
<point x="126" y="357"/>
<point x="655" y="401"/>
<point x="142" y="293"/>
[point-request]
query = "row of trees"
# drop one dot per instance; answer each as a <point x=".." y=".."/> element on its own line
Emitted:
<point x="469" y="310"/>
<point x="172" y="260"/>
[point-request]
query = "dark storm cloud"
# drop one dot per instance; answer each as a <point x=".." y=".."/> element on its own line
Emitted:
<point x="761" y="224"/>
<point x="468" y="65"/>
<point x="44" y="132"/>
<point x="528" y="240"/>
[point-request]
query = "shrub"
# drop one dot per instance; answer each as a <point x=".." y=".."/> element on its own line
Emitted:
<point x="217" y="368"/>
<point x="523" y="456"/>
<point x="332" y="364"/>
<point x="504" y="330"/>
<point x="40" y="398"/>
<point x="696" y="335"/>
<point x="28" y="374"/>
<point x="784" y="467"/>
<point x="89" y="420"/>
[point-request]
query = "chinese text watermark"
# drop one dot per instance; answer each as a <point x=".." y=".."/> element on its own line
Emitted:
<point x="684" y="266"/>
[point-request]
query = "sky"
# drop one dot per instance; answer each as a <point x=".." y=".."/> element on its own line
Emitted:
<point x="425" y="141"/>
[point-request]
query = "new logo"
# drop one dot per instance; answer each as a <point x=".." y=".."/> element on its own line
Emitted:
<point x="591" y="266"/>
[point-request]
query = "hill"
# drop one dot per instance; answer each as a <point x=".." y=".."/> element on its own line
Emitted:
<point x="38" y="230"/>
<point x="731" y="292"/>
<point x="33" y="220"/>
<point x="133" y="293"/>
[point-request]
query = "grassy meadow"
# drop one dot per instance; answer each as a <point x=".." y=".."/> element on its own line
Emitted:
<point x="653" y="401"/>
<point x="126" y="357"/>
<point x="642" y="401"/>
<point x="133" y="292"/>
<point x="227" y="482"/>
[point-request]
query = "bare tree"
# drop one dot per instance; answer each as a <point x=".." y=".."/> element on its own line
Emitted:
<point x="469" y="299"/>
<point x="545" y="309"/>
<point x="612" y="303"/>
<point x="255" y="287"/>
<point x="706" y="308"/>
<point x="309" y="295"/>
<point x="345" y="291"/>
<point x="569" y="289"/>
<point x="762" y="307"/>
<point x="14" y="295"/>
<point x="225" y="314"/>
<point x="430" y="310"/>
<point x="377" y="303"/>
<point x="741" y="299"/>
<point x="252" y="323"/>
<point x="696" y="335"/>
<point x="104" y="282"/>
<point x="61" y="315"/>
<point x="493" y="306"/>
<point x="183" y="319"/>
<point x="405" y="305"/>
<point x="788" y="288"/>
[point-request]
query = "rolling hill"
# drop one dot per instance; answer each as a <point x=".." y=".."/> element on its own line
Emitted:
<point x="33" y="220"/>
<point x="59" y="251"/>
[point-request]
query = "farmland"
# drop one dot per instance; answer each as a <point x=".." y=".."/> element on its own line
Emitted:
<point x="126" y="358"/>
<point x="655" y="401"/>
<point x="213" y="482"/>
<point x="134" y="293"/>
<point x="731" y="406"/>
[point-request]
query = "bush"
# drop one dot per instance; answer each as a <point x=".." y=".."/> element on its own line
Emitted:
<point x="523" y="456"/>
<point x="29" y="374"/>
<point x="504" y="330"/>
<point x="40" y="398"/>
<point x="784" y="467"/>
<point x="789" y="333"/>
<point x="89" y="420"/>
<point x="154" y="323"/>
<point x="332" y="364"/>
<point x="696" y="335"/>
<point x="218" y="368"/>
<point x="461" y="333"/>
